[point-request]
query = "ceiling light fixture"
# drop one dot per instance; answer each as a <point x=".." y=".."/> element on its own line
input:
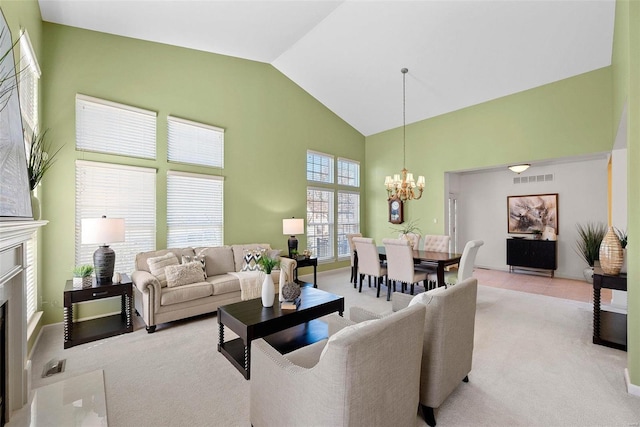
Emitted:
<point x="519" y="168"/>
<point x="401" y="186"/>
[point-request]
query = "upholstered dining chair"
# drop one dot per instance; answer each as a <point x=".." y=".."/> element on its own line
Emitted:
<point x="352" y="379"/>
<point x="465" y="267"/>
<point x="436" y="242"/>
<point x="400" y="266"/>
<point x="414" y="238"/>
<point x="449" y="329"/>
<point x="352" y="248"/>
<point x="369" y="262"/>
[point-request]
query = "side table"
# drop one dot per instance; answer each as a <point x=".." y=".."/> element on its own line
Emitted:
<point x="609" y="328"/>
<point x="306" y="262"/>
<point x="76" y="333"/>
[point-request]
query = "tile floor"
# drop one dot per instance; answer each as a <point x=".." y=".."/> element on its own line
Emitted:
<point x="578" y="290"/>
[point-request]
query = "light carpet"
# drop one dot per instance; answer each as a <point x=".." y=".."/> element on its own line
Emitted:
<point x="534" y="365"/>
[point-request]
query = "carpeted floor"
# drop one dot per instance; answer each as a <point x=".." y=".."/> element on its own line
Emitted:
<point x="534" y="365"/>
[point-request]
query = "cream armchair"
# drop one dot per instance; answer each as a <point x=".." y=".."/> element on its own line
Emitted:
<point x="448" y="339"/>
<point x="366" y="374"/>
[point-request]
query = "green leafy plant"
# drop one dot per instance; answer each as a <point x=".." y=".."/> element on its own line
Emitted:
<point x="408" y="227"/>
<point x="268" y="264"/>
<point x="40" y="158"/>
<point x="588" y="244"/>
<point x="84" y="270"/>
<point x="622" y="236"/>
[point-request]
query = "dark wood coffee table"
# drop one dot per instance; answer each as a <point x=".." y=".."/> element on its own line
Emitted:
<point x="285" y="330"/>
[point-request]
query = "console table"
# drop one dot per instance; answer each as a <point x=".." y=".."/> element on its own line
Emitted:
<point x="531" y="253"/>
<point x="609" y="328"/>
<point x="76" y="333"/>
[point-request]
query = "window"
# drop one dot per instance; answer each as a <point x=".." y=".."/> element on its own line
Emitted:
<point x="319" y="167"/>
<point x="325" y="237"/>
<point x="107" y="127"/>
<point x="118" y="192"/>
<point x="29" y="76"/>
<point x="32" y="287"/>
<point x="194" y="210"/>
<point x="320" y="222"/>
<point x="195" y="143"/>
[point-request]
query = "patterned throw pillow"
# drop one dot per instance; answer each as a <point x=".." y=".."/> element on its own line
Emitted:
<point x="185" y="274"/>
<point x="250" y="259"/>
<point x="157" y="265"/>
<point x="199" y="258"/>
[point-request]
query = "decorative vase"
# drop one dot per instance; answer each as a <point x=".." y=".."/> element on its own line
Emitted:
<point x="268" y="291"/>
<point x="588" y="274"/>
<point x="35" y="207"/>
<point x="82" y="282"/>
<point x="611" y="255"/>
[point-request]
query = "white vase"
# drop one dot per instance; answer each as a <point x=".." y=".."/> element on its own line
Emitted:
<point x="35" y="206"/>
<point x="268" y="291"/>
<point x="588" y="274"/>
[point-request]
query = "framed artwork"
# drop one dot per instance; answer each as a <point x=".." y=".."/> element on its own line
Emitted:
<point x="396" y="214"/>
<point x="532" y="214"/>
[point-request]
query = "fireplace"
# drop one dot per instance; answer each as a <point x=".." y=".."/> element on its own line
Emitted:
<point x="13" y="238"/>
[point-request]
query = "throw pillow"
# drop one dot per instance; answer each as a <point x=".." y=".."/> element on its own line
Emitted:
<point x="195" y="258"/>
<point x="184" y="274"/>
<point x="425" y="297"/>
<point x="157" y="265"/>
<point x="250" y="259"/>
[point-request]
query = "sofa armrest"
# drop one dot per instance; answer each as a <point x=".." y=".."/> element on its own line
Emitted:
<point x="400" y="301"/>
<point x="336" y="322"/>
<point x="287" y="267"/>
<point x="359" y="314"/>
<point x="149" y="285"/>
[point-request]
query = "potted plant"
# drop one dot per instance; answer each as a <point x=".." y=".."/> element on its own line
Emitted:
<point x="590" y="236"/>
<point x="40" y="158"/>
<point x="82" y="276"/>
<point x="268" y="289"/>
<point x="410" y="231"/>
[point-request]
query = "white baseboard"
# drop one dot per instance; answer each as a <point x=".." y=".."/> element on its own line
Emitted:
<point x="631" y="388"/>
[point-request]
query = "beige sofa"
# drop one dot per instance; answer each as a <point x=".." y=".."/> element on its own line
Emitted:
<point x="158" y="303"/>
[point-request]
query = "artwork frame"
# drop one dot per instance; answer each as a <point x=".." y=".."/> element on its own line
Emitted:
<point x="533" y="214"/>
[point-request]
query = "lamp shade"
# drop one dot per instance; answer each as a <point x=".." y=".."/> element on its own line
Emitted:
<point x="102" y="230"/>
<point x="292" y="226"/>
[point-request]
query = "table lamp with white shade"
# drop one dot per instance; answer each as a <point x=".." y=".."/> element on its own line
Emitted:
<point x="291" y="227"/>
<point x="103" y="231"/>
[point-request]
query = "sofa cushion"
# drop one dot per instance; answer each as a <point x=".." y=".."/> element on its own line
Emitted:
<point x="158" y="264"/>
<point x="217" y="259"/>
<point x="224" y="284"/>
<point x="184" y="274"/>
<point x="197" y="258"/>
<point x="185" y="293"/>
<point x="142" y="257"/>
<point x="238" y="253"/>
<point x="425" y="297"/>
<point x="251" y="259"/>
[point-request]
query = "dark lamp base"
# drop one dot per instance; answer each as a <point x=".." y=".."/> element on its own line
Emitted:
<point x="104" y="260"/>
<point x="293" y="245"/>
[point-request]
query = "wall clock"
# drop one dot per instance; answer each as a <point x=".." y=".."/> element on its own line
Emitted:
<point x="396" y="215"/>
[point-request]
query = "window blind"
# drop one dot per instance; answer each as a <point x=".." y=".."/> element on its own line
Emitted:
<point x="108" y="127"/>
<point x="319" y="167"/>
<point x="195" y="210"/>
<point x="31" y="271"/>
<point x="116" y="191"/>
<point x="348" y="219"/>
<point x="348" y="172"/>
<point x="28" y="77"/>
<point x="195" y="143"/>
<point x="320" y="227"/>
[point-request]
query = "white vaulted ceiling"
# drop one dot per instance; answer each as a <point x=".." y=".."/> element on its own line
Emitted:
<point x="348" y="54"/>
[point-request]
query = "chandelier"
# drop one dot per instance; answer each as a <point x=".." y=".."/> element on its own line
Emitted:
<point x="402" y="186"/>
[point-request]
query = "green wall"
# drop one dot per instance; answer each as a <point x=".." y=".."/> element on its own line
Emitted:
<point x="565" y="118"/>
<point x="270" y="123"/>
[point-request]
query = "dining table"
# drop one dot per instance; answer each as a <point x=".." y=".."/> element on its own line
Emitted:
<point x="438" y="260"/>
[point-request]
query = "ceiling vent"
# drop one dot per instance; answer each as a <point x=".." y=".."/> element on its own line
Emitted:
<point x="533" y="178"/>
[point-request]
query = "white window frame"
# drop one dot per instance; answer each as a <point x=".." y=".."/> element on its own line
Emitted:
<point x="349" y="165"/>
<point x="117" y="191"/>
<point x="28" y="78"/>
<point x="346" y="227"/>
<point x="317" y="220"/>
<point x="108" y="127"/>
<point x="195" y="210"/>
<point x="194" y="143"/>
<point x="320" y="167"/>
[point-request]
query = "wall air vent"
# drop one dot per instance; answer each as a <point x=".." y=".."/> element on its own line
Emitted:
<point x="534" y="178"/>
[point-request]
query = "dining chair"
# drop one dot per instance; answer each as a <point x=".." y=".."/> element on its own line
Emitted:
<point x="352" y="248"/>
<point x="465" y="267"/>
<point x="434" y="243"/>
<point x="400" y="266"/>
<point x="369" y="262"/>
<point x="414" y="238"/>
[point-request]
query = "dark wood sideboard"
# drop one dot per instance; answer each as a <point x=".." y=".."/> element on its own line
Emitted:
<point x="609" y="328"/>
<point x="533" y="254"/>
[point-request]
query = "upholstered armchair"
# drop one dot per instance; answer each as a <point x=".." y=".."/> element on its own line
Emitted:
<point x="448" y="339"/>
<point x="400" y="266"/>
<point x="366" y="374"/>
<point x="369" y="262"/>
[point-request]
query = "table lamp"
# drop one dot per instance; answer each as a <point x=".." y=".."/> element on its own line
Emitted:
<point x="293" y="226"/>
<point x="103" y="231"/>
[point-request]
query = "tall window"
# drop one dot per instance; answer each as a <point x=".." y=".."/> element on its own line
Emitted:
<point x="117" y="191"/>
<point x="325" y="236"/>
<point x="194" y="210"/>
<point x="28" y="79"/>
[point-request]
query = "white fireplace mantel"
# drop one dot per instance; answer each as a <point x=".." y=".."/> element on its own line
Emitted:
<point x="13" y="238"/>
